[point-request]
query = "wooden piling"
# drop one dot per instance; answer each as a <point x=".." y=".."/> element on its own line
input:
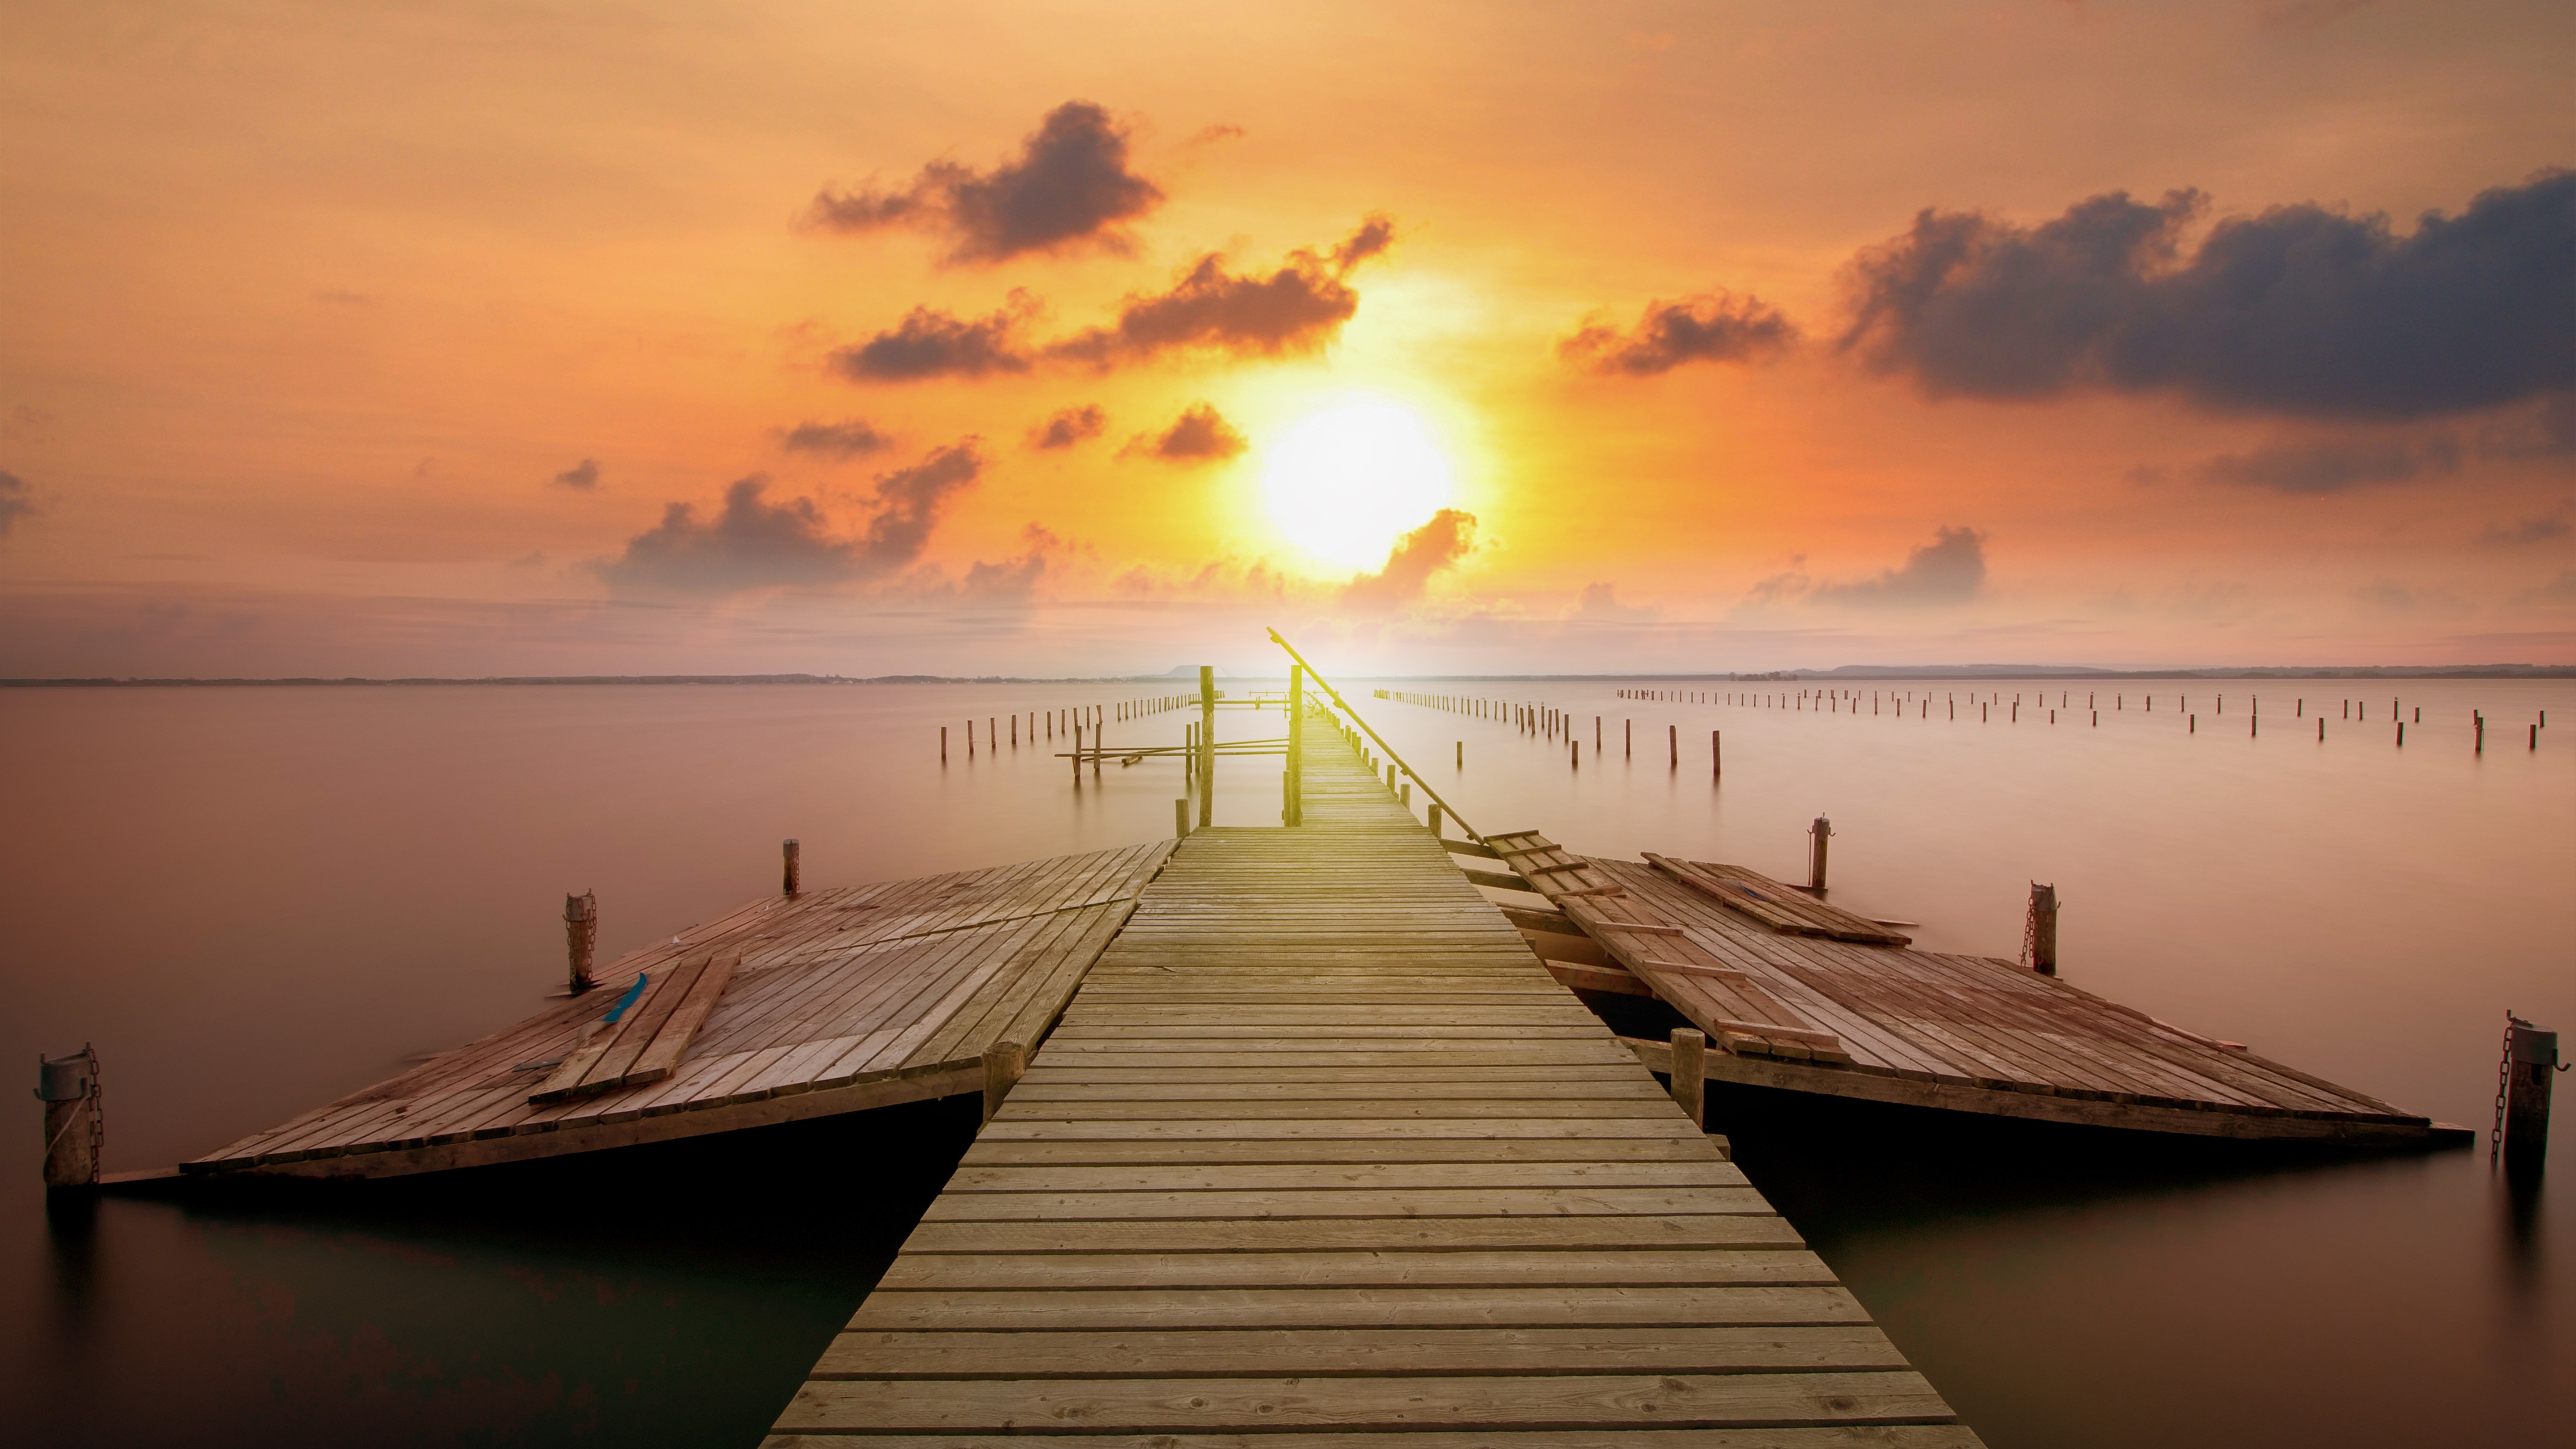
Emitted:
<point x="943" y="744"/>
<point x="1716" y="758"/>
<point x="2043" y="928"/>
<point x="1690" y="1074"/>
<point x="1434" y="812"/>
<point x="1181" y="818"/>
<point x="1817" y="835"/>
<point x="581" y="937"/>
<point x="1673" y="740"/>
<point x="1005" y="1062"/>
<point x="1295" y="813"/>
<point x="1207" y="744"/>
<point x="74" y="1131"/>
<point x="2531" y="1061"/>
<point x="791" y="882"/>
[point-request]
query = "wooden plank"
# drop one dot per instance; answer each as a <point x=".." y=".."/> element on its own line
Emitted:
<point x="672" y="1042"/>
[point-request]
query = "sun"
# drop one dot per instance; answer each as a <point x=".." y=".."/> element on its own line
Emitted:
<point x="1345" y="483"/>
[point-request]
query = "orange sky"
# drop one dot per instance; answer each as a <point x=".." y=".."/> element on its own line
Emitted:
<point x="351" y="340"/>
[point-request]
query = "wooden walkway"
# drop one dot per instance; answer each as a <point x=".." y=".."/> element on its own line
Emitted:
<point x="1809" y="998"/>
<point x="830" y="1001"/>
<point x="1321" y="1154"/>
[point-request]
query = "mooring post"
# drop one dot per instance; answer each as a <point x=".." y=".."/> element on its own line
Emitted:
<point x="792" y="883"/>
<point x="2043" y="928"/>
<point x="943" y="744"/>
<point x="1404" y="795"/>
<point x="1673" y="738"/>
<point x="1296" y="810"/>
<point x="1716" y="760"/>
<point x="2531" y="1060"/>
<point x="1435" y="819"/>
<point x="1005" y="1062"/>
<point x="1181" y="818"/>
<point x="581" y="934"/>
<point x="1462" y="754"/>
<point x="1075" y="756"/>
<point x="1817" y="835"/>
<point x="74" y="1131"/>
<point x="1207" y="744"/>
<point x="1690" y="1074"/>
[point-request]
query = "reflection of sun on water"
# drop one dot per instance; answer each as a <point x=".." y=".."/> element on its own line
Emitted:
<point x="1344" y="484"/>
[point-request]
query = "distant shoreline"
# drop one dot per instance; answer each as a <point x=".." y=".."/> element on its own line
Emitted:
<point x="1845" y="674"/>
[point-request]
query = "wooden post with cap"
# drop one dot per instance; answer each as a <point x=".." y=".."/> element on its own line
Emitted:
<point x="581" y="937"/>
<point x="2531" y="1060"/>
<point x="2043" y="928"/>
<point x="792" y="879"/>
<point x="1817" y="835"/>
<point x="74" y="1134"/>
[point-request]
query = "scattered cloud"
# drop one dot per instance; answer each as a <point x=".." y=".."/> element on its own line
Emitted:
<point x="1200" y="434"/>
<point x="839" y="442"/>
<point x="17" y="500"/>
<point x="2300" y="310"/>
<point x="933" y="343"/>
<point x="1071" y="426"/>
<point x="2560" y="590"/>
<point x="2548" y="431"/>
<point x="2391" y="597"/>
<point x="753" y="543"/>
<point x="1210" y="135"/>
<point x="1296" y="308"/>
<point x="582" y="475"/>
<point x="1069" y="187"/>
<point x="1712" y="328"/>
<point x="1948" y="570"/>
<point x="1600" y="604"/>
<point x="2333" y="467"/>
<point x="1436" y="545"/>
<point x="2547" y="528"/>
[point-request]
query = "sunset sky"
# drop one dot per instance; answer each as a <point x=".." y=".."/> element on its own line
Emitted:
<point x="470" y="339"/>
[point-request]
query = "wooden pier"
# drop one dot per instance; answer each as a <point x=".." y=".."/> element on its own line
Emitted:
<point x="1807" y="997"/>
<point x="825" y="1002"/>
<point x="1319" y="1151"/>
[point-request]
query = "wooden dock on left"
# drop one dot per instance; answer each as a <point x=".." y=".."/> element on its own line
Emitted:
<point x="803" y="1006"/>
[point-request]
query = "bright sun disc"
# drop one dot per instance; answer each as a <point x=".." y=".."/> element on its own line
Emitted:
<point x="1344" y="484"/>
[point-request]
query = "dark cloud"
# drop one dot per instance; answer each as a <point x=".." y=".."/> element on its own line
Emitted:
<point x="584" y="474"/>
<point x="2333" y="467"/>
<point x="1297" y="308"/>
<point x="17" y="500"/>
<point x="932" y="343"/>
<point x="752" y="543"/>
<point x="1447" y="538"/>
<point x="1948" y="570"/>
<point x="1070" y="186"/>
<point x="2300" y="310"/>
<point x="2548" y="528"/>
<point x="1071" y="426"/>
<point x="1712" y="328"/>
<point x="840" y="442"/>
<point x="1199" y="434"/>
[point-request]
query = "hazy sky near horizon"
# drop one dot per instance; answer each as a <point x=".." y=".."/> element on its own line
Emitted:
<point x="478" y="338"/>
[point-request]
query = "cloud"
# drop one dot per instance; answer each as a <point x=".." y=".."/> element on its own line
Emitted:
<point x="1600" y="603"/>
<point x="584" y="474"/>
<point x="2560" y="590"/>
<point x="840" y="442"/>
<point x="933" y="343"/>
<point x="1296" y="308"/>
<point x="2547" y="528"/>
<point x="1200" y="433"/>
<point x="1436" y="545"/>
<point x="1712" y="328"/>
<point x="2547" y="432"/>
<point x="1948" y="570"/>
<point x="752" y="543"/>
<point x="2300" y="310"/>
<point x="1069" y="187"/>
<point x="1071" y="426"/>
<point x="2333" y="467"/>
<point x="1210" y="135"/>
<point x="17" y="500"/>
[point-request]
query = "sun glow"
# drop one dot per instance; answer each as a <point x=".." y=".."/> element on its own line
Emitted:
<point x="1345" y="483"/>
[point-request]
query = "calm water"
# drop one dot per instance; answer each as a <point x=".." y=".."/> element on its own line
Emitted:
<point x="253" y="900"/>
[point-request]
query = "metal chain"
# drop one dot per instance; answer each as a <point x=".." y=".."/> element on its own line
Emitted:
<point x="2504" y="1075"/>
<point x="97" y="1117"/>
<point x="2030" y="933"/>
